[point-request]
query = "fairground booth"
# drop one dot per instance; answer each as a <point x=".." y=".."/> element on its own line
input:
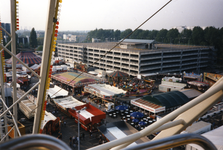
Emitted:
<point x="161" y="103"/>
<point x="74" y="82"/>
<point x="27" y="57"/>
<point x="104" y="91"/>
<point x="89" y="117"/>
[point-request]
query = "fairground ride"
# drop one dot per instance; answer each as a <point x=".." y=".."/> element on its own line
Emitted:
<point x="169" y="126"/>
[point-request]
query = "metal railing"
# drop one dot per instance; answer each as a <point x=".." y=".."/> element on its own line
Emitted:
<point x="35" y="141"/>
<point x="174" y="141"/>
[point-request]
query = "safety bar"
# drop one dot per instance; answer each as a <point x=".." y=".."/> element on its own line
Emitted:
<point x="35" y="141"/>
<point x="174" y="141"/>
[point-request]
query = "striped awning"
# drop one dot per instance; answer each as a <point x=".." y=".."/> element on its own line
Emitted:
<point x="154" y="108"/>
<point x="27" y="57"/>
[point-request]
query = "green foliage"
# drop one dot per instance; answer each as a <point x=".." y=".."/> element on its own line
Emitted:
<point x="32" y="38"/>
<point x="197" y="36"/>
<point x="162" y="36"/>
<point x="40" y="48"/>
<point x="40" y="40"/>
<point x="103" y="35"/>
<point x="172" y="35"/>
<point x="125" y="33"/>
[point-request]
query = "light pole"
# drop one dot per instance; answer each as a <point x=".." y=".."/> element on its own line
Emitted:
<point x="78" y="111"/>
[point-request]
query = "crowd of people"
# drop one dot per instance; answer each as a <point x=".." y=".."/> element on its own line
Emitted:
<point x="132" y="85"/>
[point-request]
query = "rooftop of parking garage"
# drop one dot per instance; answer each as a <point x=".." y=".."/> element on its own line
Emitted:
<point x="158" y="47"/>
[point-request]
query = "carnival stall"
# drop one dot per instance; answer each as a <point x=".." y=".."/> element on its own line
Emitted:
<point x="68" y="103"/>
<point x="161" y="102"/>
<point x="27" y="57"/>
<point x="104" y="91"/>
<point x="202" y="86"/>
<point x="57" y="91"/>
<point x="50" y="124"/>
<point x="28" y="108"/>
<point x="149" y="106"/>
<point x="90" y="116"/>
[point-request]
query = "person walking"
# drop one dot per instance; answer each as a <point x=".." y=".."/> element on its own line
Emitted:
<point x="90" y="133"/>
<point x="74" y="139"/>
<point x="83" y="135"/>
<point x="70" y="141"/>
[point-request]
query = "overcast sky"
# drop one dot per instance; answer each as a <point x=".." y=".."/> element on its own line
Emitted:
<point x="118" y="14"/>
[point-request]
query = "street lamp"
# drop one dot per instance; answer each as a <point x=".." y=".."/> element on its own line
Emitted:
<point x="78" y="111"/>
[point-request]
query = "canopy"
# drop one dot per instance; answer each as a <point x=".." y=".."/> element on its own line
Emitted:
<point x="91" y="115"/>
<point x="68" y="102"/>
<point x="27" y="57"/>
<point x="35" y="66"/>
<point x="121" y="107"/>
<point x="169" y="99"/>
<point x="103" y="90"/>
<point x="118" y="74"/>
<point x="74" y="79"/>
<point x="159" y="102"/>
<point x="137" y="114"/>
<point x="57" y="91"/>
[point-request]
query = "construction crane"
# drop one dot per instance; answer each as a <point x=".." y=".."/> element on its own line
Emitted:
<point x="171" y="124"/>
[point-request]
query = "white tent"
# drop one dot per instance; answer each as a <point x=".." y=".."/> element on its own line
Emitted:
<point x="68" y="102"/>
<point x="103" y="90"/>
<point x="215" y="136"/>
<point x="57" y="91"/>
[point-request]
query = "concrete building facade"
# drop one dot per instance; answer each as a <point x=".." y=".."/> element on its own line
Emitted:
<point x="138" y="57"/>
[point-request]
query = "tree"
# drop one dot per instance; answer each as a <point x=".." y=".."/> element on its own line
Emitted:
<point x="125" y="33"/>
<point x="161" y="35"/>
<point x="40" y="40"/>
<point x="33" y="39"/>
<point x="172" y="35"/>
<point x="198" y="36"/>
<point x="153" y="34"/>
<point x="40" y="48"/>
<point x="117" y="35"/>
<point x="186" y="36"/>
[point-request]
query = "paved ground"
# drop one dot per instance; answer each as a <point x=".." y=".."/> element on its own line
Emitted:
<point x="71" y="129"/>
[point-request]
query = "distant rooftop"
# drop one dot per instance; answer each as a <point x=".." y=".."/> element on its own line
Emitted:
<point x="138" y="41"/>
<point x="157" y="47"/>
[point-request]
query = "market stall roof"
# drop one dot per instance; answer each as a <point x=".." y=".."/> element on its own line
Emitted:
<point x="90" y="115"/>
<point x="35" y="66"/>
<point x="215" y="136"/>
<point x="47" y="117"/>
<point x="118" y="74"/>
<point x="57" y="91"/>
<point x="170" y="99"/>
<point x="160" y="102"/>
<point x="191" y="93"/>
<point x="103" y="90"/>
<point x="68" y="102"/>
<point x="149" y="106"/>
<point x="27" y="57"/>
<point x="68" y="78"/>
<point x="27" y="107"/>
<point x="117" y="130"/>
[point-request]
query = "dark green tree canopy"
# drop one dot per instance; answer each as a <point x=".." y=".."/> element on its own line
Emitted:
<point x="172" y="35"/>
<point x="198" y="36"/>
<point x="33" y="39"/>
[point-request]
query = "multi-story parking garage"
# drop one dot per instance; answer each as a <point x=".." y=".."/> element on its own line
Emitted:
<point x="139" y="56"/>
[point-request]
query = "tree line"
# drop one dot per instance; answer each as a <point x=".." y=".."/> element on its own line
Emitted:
<point x="210" y="36"/>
